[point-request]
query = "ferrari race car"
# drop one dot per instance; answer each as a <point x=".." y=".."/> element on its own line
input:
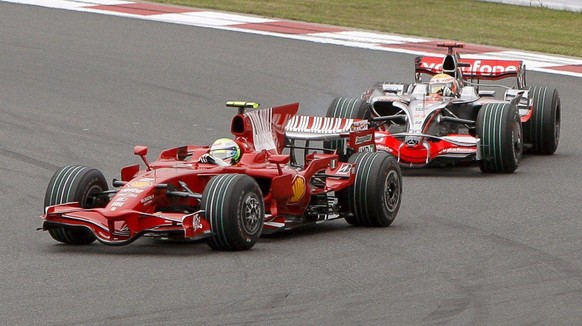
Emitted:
<point x="235" y="190"/>
<point x="456" y="117"/>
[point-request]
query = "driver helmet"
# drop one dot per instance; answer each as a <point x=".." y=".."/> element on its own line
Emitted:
<point x="443" y="84"/>
<point x="226" y="150"/>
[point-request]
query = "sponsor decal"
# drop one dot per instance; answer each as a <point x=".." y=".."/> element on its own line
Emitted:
<point x="459" y="150"/>
<point x="125" y="194"/>
<point x="131" y="190"/>
<point x="345" y="168"/>
<point x="384" y="148"/>
<point x="363" y="139"/>
<point x="298" y="189"/>
<point x="147" y="200"/>
<point x="366" y="148"/>
<point x="359" y="125"/>
<point x="196" y="222"/>
<point x="479" y="67"/>
<point x="143" y="183"/>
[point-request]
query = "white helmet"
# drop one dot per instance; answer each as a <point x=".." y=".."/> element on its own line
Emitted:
<point x="226" y="150"/>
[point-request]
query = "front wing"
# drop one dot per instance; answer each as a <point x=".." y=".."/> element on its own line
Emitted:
<point x="126" y="226"/>
<point x="418" y="150"/>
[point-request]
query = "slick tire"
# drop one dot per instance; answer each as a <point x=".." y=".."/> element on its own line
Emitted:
<point x="345" y="107"/>
<point x="233" y="205"/>
<point x="542" y="131"/>
<point x="499" y="128"/>
<point x="374" y="198"/>
<point x="74" y="183"/>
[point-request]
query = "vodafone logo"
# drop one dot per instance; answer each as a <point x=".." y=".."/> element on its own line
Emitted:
<point x="477" y="67"/>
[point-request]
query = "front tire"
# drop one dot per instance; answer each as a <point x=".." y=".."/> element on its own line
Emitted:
<point x="499" y="128"/>
<point x="542" y="131"/>
<point x="234" y="207"/>
<point x="374" y="198"/>
<point x="80" y="184"/>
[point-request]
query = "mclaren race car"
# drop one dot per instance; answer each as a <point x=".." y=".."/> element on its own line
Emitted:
<point x="457" y="117"/>
<point x="231" y="192"/>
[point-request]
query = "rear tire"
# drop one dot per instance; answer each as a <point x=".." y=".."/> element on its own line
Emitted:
<point x="74" y="183"/>
<point x="542" y="131"/>
<point x="500" y="131"/>
<point x="234" y="207"/>
<point x="374" y="198"/>
<point x="345" y="107"/>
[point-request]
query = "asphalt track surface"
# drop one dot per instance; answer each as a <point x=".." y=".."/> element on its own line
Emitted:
<point x="78" y="88"/>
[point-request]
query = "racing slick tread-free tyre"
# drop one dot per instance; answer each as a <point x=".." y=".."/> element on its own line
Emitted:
<point x="234" y="207"/>
<point x="346" y="107"/>
<point x="500" y="131"/>
<point x="542" y="131"/>
<point x="374" y="198"/>
<point x="74" y="183"/>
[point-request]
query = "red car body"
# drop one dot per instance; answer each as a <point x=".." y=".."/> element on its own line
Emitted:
<point x="172" y="196"/>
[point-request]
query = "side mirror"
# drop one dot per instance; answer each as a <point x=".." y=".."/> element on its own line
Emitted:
<point x="142" y="151"/>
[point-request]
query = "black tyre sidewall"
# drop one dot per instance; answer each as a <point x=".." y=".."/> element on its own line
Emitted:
<point x="223" y="201"/>
<point x="542" y="131"/>
<point x="367" y="199"/>
<point x="74" y="184"/>
<point x="495" y="124"/>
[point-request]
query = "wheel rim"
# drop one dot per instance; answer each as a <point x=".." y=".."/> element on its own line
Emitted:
<point x="90" y="201"/>
<point x="252" y="214"/>
<point x="516" y="137"/>
<point x="392" y="191"/>
<point x="556" y="127"/>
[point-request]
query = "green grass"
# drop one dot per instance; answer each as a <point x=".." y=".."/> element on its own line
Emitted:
<point x="471" y="21"/>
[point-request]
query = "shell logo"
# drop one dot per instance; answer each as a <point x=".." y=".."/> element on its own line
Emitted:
<point x="298" y="189"/>
<point x="140" y="184"/>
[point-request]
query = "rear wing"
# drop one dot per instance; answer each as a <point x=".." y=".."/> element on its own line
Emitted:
<point x="475" y="69"/>
<point x="310" y="128"/>
<point x="322" y="128"/>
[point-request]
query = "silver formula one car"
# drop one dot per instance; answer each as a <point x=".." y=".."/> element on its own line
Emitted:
<point x="457" y="117"/>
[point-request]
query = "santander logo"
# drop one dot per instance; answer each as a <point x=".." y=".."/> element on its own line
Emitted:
<point x="477" y="67"/>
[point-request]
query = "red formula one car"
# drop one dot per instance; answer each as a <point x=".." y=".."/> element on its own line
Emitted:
<point x="455" y="117"/>
<point x="235" y="190"/>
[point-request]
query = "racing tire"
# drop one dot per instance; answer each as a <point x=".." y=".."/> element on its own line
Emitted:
<point x="233" y="205"/>
<point x="374" y="198"/>
<point x="499" y="128"/>
<point x="345" y="107"/>
<point x="542" y="131"/>
<point x="75" y="183"/>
